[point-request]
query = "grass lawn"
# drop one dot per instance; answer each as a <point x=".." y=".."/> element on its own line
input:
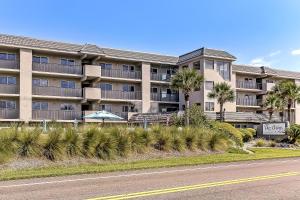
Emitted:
<point x="260" y="153"/>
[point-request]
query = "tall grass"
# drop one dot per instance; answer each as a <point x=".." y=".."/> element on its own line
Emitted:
<point x="52" y="146"/>
<point x="71" y="142"/>
<point x="28" y="142"/>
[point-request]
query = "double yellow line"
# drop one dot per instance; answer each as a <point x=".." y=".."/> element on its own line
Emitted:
<point x="195" y="187"/>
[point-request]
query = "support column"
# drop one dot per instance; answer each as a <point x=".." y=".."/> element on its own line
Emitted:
<point x="25" y="85"/>
<point x="146" y="87"/>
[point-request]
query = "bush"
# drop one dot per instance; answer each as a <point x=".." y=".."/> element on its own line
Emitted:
<point x="252" y="131"/>
<point x="7" y="144"/>
<point x="28" y="142"/>
<point x="247" y="135"/>
<point x="232" y="132"/>
<point x="123" y="140"/>
<point x="197" y="117"/>
<point x="203" y="136"/>
<point x="293" y="133"/>
<point x="190" y="138"/>
<point x="72" y="142"/>
<point x="88" y="138"/>
<point x="104" y="146"/>
<point x="163" y="139"/>
<point x="218" y="142"/>
<point x="178" y="143"/>
<point x="52" y="148"/>
<point x="260" y="142"/>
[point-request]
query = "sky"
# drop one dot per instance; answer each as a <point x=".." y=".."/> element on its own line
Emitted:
<point x="257" y="32"/>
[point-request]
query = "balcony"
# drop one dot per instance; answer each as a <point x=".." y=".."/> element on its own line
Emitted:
<point x="164" y="97"/>
<point x="9" y="114"/>
<point x="9" y="64"/>
<point x="161" y="77"/>
<point x="92" y="71"/>
<point x="90" y="93"/>
<point x="248" y="85"/>
<point x="57" y="91"/>
<point x="56" y="115"/>
<point x="114" y="94"/>
<point x="57" y="68"/>
<point x="118" y="73"/>
<point x="267" y="87"/>
<point x="9" y="89"/>
<point x="248" y="102"/>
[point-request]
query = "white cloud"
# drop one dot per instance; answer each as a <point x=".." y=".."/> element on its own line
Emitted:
<point x="295" y="52"/>
<point x="275" y="53"/>
<point x="260" y="62"/>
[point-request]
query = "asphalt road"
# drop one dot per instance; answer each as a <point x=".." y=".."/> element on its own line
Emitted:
<point x="266" y="179"/>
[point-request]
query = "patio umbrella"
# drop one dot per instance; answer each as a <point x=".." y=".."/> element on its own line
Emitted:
<point x="102" y="115"/>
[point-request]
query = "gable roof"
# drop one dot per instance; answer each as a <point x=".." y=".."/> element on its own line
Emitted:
<point x="206" y="52"/>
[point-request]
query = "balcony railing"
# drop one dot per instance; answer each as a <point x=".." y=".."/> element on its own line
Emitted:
<point x="56" y="115"/>
<point x="160" y="77"/>
<point x="164" y="97"/>
<point x="57" y="91"/>
<point x="248" y="102"/>
<point x="117" y="73"/>
<point x="248" y="85"/>
<point x="57" y="68"/>
<point x="9" y="89"/>
<point x="9" y="64"/>
<point x="114" y="94"/>
<point x="9" y="114"/>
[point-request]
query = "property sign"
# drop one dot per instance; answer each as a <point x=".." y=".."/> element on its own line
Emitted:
<point x="273" y="129"/>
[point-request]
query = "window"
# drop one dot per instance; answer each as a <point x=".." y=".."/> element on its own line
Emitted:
<point x="7" y="56"/>
<point x="40" y="82"/>
<point x="127" y="108"/>
<point x="40" y="105"/>
<point x="106" y="86"/>
<point x="39" y="59"/>
<point x="128" y="88"/>
<point x="67" y="84"/>
<point x="196" y="65"/>
<point x="105" y="107"/>
<point x="6" y="104"/>
<point x="223" y="69"/>
<point x="154" y="90"/>
<point x="154" y="70"/>
<point x="209" y="64"/>
<point x="69" y="62"/>
<point x="8" y="80"/>
<point x="127" y="68"/>
<point x="209" y="106"/>
<point x="106" y="66"/>
<point x="209" y="85"/>
<point x="67" y="107"/>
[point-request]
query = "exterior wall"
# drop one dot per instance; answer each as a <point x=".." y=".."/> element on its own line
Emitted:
<point x="25" y="85"/>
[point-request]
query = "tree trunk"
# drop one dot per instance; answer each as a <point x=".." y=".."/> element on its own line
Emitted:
<point x="270" y="115"/>
<point x="187" y="109"/>
<point x="221" y="112"/>
<point x="289" y="110"/>
<point x="281" y="116"/>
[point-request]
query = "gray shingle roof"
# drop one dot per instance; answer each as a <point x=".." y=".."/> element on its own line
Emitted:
<point x="242" y="117"/>
<point x="266" y="71"/>
<point x="28" y="42"/>
<point x="206" y="52"/>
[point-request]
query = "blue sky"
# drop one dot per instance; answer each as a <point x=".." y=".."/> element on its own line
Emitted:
<point x="255" y="31"/>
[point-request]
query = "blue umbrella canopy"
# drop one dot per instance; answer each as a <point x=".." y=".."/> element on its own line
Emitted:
<point x="102" y="115"/>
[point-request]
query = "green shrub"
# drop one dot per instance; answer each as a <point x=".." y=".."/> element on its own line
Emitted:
<point x="104" y="146"/>
<point x="52" y="147"/>
<point x="28" y="142"/>
<point x="260" y="142"/>
<point x="71" y="142"/>
<point x="272" y="144"/>
<point x="122" y="138"/>
<point x="8" y="139"/>
<point x="197" y="117"/>
<point x="190" y="138"/>
<point x="163" y="139"/>
<point x="247" y="135"/>
<point x="293" y="133"/>
<point x="178" y="142"/>
<point x="227" y="129"/>
<point x="88" y="137"/>
<point x="252" y="131"/>
<point x="203" y="136"/>
<point x="218" y="141"/>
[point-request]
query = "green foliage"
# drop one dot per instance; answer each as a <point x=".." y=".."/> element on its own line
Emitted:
<point x="247" y="134"/>
<point x="123" y="140"/>
<point x="293" y="133"/>
<point x="104" y="146"/>
<point x="27" y="142"/>
<point x="163" y="140"/>
<point x="237" y="150"/>
<point x="197" y="117"/>
<point x="218" y="141"/>
<point x="88" y="138"/>
<point x="190" y="138"/>
<point x="7" y="144"/>
<point x="71" y="142"/>
<point x="52" y="146"/>
<point x="261" y="142"/>
<point x="178" y="143"/>
<point x="230" y="131"/>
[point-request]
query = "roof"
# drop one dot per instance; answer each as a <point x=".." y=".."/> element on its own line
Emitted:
<point x="27" y="42"/>
<point x="242" y="117"/>
<point x="206" y="52"/>
<point x="265" y="71"/>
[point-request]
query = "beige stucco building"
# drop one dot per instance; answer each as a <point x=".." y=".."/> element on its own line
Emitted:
<point x="48" y="80"/>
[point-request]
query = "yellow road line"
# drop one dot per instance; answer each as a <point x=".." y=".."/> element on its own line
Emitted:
<point x="194" y="187"/>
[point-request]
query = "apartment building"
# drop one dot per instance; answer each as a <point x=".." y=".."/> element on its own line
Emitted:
<point x="49" y="80"/>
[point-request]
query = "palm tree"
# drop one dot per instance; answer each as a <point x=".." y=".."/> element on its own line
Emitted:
<point x="281" y="106"/>
<point x="223" y="93"/>
<point x="187" y="80"/>
<point x="290" y="92"/>
<point x="270" y="103"/>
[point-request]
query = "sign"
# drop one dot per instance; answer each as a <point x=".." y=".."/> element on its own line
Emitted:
<point x="273" y="129"/>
